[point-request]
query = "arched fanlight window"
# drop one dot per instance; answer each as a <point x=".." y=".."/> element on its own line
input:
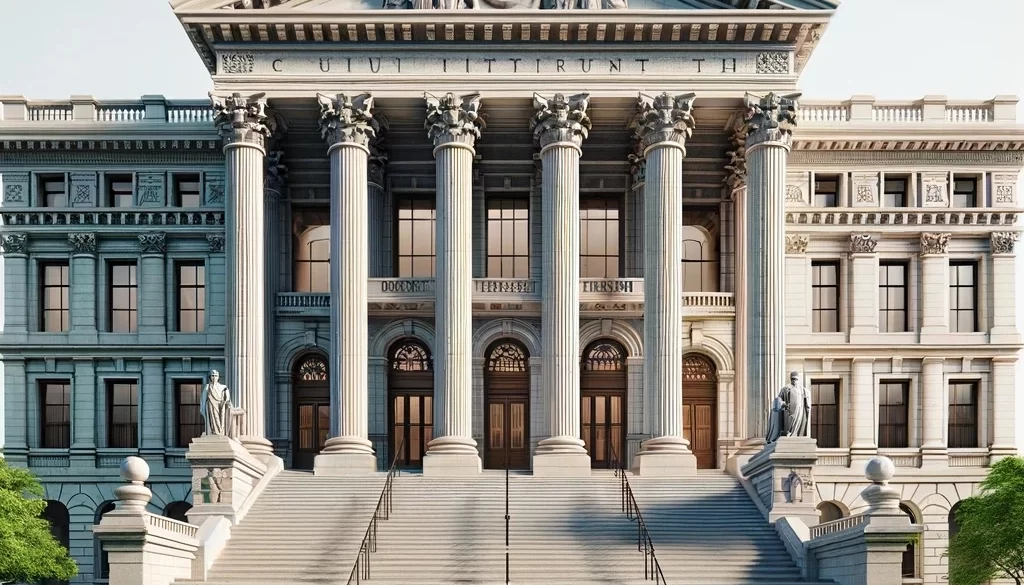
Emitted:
<point x="697" y="368"/>
<point x="604" y="356"/>
<point x="507" y="356"/>
<point x="410" y="356"/>
<point x="312" y="369"/>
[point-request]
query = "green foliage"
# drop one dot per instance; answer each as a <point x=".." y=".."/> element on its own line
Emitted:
<point x="28" y="552"/>
<point x="990" y="540"/>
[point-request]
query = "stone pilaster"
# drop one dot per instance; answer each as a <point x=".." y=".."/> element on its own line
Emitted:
<point x="862" y="396"/>
<point x="83" y="408"/>
<point x="16" y="279"/>
<point x="934" y="284"/>
<point x="769" y="123"/>
<point x="82" y="276"/>
<point x="274" y="180"/>
<point x="934" y="393"/>
<point x="663" y="124"/>
<point x="559" y="127"/>
<point x="347" y="124"/>
<point x="1004" y="397"/>
<point x="153" y="407"/>
<point x="453" y="124"/>
<point x="244" y="128"/>
<point x="864" y="287"/>
<point x="152" y="288"/>
<point x="1004" y="288"/>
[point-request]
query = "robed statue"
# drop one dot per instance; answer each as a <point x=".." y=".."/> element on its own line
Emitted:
<point x="791" y="411"/>
<point x="215" y="406"/>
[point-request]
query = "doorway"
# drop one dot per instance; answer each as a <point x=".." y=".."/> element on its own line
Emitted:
<point x="603" y="387"/>
<point x="411" y="402"/>
<point x="312" y="399"/>
<point x="507" y="387"/>
<point x="700" y="409"/>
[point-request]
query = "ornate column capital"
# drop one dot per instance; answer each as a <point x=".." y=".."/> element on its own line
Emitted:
<point x="276" y="174"/>
<point x="770" y="119"/>
<point x="933" y="243"/>
<point x="736" y="177"/>
<point x="663" y="118"/>
<point x="82" y="243"/>
<point x="14" y="243"/>
<point x="216" y="242"/>
<point x="453" y="119"/>
<point x="242" y="119"/>
<point x="797" y="244"/>
<point x="1003" y="242"/>
<point x="347" y="120"/>
<point x="862" y="244"/>
<point x="561" y="119"/>
<point x="153" y="243"/>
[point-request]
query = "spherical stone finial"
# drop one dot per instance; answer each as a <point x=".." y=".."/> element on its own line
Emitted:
<point x="880" y="469"/>
<point x="134" y="469"/>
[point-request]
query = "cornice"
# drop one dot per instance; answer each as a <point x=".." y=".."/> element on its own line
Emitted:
<point x="14" y="131"/>
<point x="799" y="158"/>
<point x="911" y="137"/>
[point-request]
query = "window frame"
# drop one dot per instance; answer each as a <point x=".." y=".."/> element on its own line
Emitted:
<point x="520" y="201"/>
<point x="974" y="425"/>
<point x="974" y="192"/>
<point x="133" y="407"/>
<point x="883" y="312"/>
<point x="180" y="439"/>
<point x="177" y="179"/>
<point x="904" y="384"/>
<point x="397" y="221"/>
<point x="42" y="386"/>
<point x="64" y="311"/>
<point x="133" y="296"/>
<point x="837" y="264"/>
<point x="43" y="195"/>
<point x="198" y="290"/>
<point x="905" y="194"/>
<point x="836" y="195"/>
<point x="976" y="296"/>
<point x="620" y="233"/>
<point x="816" y="407"/>
<point x="109" y="180"/>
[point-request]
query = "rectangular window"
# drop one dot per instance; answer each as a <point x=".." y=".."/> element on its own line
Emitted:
<point x="190" y="424"/>
<point x="895" y="194"/>
<point x="965" y="193"/>
<point x="826" y="191"/>
<point x="54" y="295"/>
<point x="825" y="414"/>
<point x="124" y="298"/>
<point x="963" y="415"/>
<point x="893" y="413"/>
<point x="415" y="234"/>
<point x="892" y="297"/>
<point x="963" y="297"/>
<point x="53" y="190"/>
<point x="192" y="297"/>
<point x="600" y="230"/>
<point x="508" y="237"/>
<point x="55" y="398"/>
<point x="825" y="297"/>
<point x="120" y="191"/>
<point x="123" y="414"/>
<point x="186" y="191"/>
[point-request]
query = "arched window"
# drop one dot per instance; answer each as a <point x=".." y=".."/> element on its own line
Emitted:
<point x="102" y="560"/>
<point x="410" y="356"/>
<point x="700" y="264"/>
<point x="507" y="356"/>
<point x="178" y="511"/>
<point x="827" y="512"/>
<point x="507" y="406"/>
<point x="954" y="527"/>
<point x="312" y="369"/>
<point x="313" y="259"/>
<point x="604" y="356"/>
<point x="697" y="368"/>
<point x="603" y="384"/>
<point x="910" y="554"/>
<point x="60" y="527"/>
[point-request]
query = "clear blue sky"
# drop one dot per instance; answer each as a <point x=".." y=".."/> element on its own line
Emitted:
<point x="888" y="48"/>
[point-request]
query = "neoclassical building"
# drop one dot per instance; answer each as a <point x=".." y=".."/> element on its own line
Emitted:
<point x="514" y="236"/>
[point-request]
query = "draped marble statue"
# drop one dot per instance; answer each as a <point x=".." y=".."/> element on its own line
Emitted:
<point x="791" y="411"/>
<point x="215" y="407"/>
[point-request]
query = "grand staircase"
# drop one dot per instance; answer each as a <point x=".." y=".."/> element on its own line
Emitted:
<point x="307" y="530"/>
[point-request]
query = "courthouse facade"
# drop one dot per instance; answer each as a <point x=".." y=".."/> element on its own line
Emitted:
<point x="512" y="236"/>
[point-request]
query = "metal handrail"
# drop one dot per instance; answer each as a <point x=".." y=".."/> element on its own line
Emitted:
<point x="507" y="518"/>
<point x="361" y="568"/>
<point x="644" y="544"/>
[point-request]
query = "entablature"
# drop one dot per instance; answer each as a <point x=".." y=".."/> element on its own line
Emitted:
<point x="905" y="221"/>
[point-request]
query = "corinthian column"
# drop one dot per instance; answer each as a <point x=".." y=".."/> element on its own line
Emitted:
<point x="663" y="124"/>
<point x="244" y="127"/>
<point x="453" y="123"/>
<point x="770" y="123"/>
<point x="347" y="124"/>
<point x="559" y="127"/>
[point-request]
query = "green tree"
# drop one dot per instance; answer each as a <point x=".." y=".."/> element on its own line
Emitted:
<point x="990" y="541"/>
<point x="28" y="551"/>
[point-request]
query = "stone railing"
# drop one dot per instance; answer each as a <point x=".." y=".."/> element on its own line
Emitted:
<point x="929" y="110"/>
<point x="838" y="525"/>
<point x="710" y="301"/>
<point x="150" y="109"/>
<point x="48" y="113"/>
<point x="852" y="216"/>
<point x="833" y="458"/>
<point x="171" y="525"/>
<point x="125" y="112"/>
<point x="303" y="300"/>
<point x="111" y="217"/>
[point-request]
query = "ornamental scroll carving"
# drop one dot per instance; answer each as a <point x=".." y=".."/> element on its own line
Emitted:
<point x="14" y="243"/>
<point x="637" y="164"/>
<point x="378" y="163"/>
<point x="241" y="118"/>
<point x="82" y="243"/>
<point x="561" y="119"/>
<point x="862" y="244"/>
<point x="933" y="243"/>
<point x="663" y="118"/>
<point x="771" y="118"/>
<point x="797" y="244"/>
<point x="345" y="119"/>
<point x="452" y="118"/>
<point x="152" y="243"/>
<point x="1003" y="242"/>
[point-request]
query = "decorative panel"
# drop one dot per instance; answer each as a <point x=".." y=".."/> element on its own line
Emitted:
<point x="16" y="190"/>
<point x="1004" y="190"/>
<point x="798" y="189"/>
<point x="83" y="189"/>
<point x="935" y="189"/>
<point x="213" y="188"/>
<point x="151" y="190"/>
<point x="864" y="189"/>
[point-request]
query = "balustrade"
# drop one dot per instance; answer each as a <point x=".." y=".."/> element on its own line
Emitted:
<point x="838" y="525"/>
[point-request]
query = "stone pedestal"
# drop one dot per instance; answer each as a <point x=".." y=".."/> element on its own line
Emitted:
<point x="782" y="475"/>
<point x="226" y="478"/>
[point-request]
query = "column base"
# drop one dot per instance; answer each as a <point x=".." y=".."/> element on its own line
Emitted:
<point x="561" y="464"/>
<point x="442" y="464"/>
<point x="665" y="457"/>
<point x="345" y="457"/>
<point x="258" y="447"/>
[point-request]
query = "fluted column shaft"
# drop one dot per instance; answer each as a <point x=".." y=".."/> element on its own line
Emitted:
<point x="376" y="226"/>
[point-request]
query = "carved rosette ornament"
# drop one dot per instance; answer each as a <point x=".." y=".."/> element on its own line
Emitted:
<point x="453" y="119"/>
<point x="152" y="243"/>
<point x="216" y="242"/>
<point x="14" y="243"/>
<point x="276" y="174"/>
<point x="771" y="118"/>
<point x="82" y="243"/>
<point x="347" y="120"/>
<point x="862" y="244"/>
<point x="241" y="119"/>
<point x="663" y="118"/>
<point x="933" y="243"/>
<point x="797" y="244"/>
<point x="736" y="177"/>
<point x="561" y="119"/>
<point x="378" y="161"/>
<point x="1003" y="242"/>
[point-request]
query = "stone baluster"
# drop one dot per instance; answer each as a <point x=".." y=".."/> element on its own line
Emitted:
<point x="560" y="126"/>
<point x="453" y="124"/>
<point x="770" y="122"/>
<point x="663" y="124"/>
<point x="244" y="128"/>
<point x="347" y="124"/>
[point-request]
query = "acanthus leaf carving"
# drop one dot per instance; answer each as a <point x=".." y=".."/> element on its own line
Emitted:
<point x="561" y="119"/>
<point x="276" y="173"/>
<point x="797" y="244"/>
<point x="347" y="120"/>
<point x="216" y="242"/>
<point x="663" y="118"/>
<point x="934" y="243"/>
<point x="862" y="244"/>
<point x="736" y="177"/>
<point x="14" y="243"/>
<point x="241" y="118"/>
<point x="1003" y="242"/>
<point x="82" y="243"/>
<point x="152" y="243"/>
<point x="452" y="118"/>
<point x="771" y="118"/>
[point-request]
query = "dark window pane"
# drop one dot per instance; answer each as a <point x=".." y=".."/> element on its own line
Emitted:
<point x="187" y="192"/>
<point x="122" y="409"/>
<point x="600" y="231"/>
<point x="963" y="297"/>
<point x="54" y="295"/>
<point x="55" y="400"/>
<point x="826" y="191"/>
<point x="892" y="297"/>
<point x="893" y="421"/>
<point x="191" y="298"/>
<point x="825" y="414"/>
<point x="825" y="296"/>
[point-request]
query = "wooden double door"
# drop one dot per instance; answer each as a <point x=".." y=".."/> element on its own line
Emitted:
<point x="507" y="407"/>
<point x="312" y="411"/>
<point x="700" y="409"/>
<point x="602" y="424"/>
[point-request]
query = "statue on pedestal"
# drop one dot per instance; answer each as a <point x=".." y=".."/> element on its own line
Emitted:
<point x="791" y="411"/>
<point x="215" y="407"/>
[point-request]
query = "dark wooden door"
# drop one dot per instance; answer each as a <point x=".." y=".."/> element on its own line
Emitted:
<point x="602" y="423"/>
<point x="507" y="407"/>
<point x="312" y="410"/>
<point x="412" y="417"/>
<point x="700" y="409"/>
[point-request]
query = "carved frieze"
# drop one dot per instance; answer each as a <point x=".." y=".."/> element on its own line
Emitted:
<point x="14" y="243"/>
<point x="798" y="189"/>
<point x="216" y="242"/>
<point x="561" y="119"/>
<point x="1003" y="242"/>
<point x="213" y="188"/>
<point x="152" y="243"/>
<point x="240" y="118"/>
<point x="1004" y="190"/>
<point x="82" y="243"/>
<point x="771" y="118"/>
<point x="797" y="244"/>
<point x="773" y="63"/>
<point x="862" y="244"/>
<point x="237" y="62"/>
<point x="935" y="189"/>
<point x="452" y="118"/>
<point x="663" y="118"/>
<point x="83" y="189"/>
<point x="151" y="190"/>
<point x="345" y="119"/>
<point x="637" y="165"/>
<point x="864" y="189"/>
<point x="934" y="243"/>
